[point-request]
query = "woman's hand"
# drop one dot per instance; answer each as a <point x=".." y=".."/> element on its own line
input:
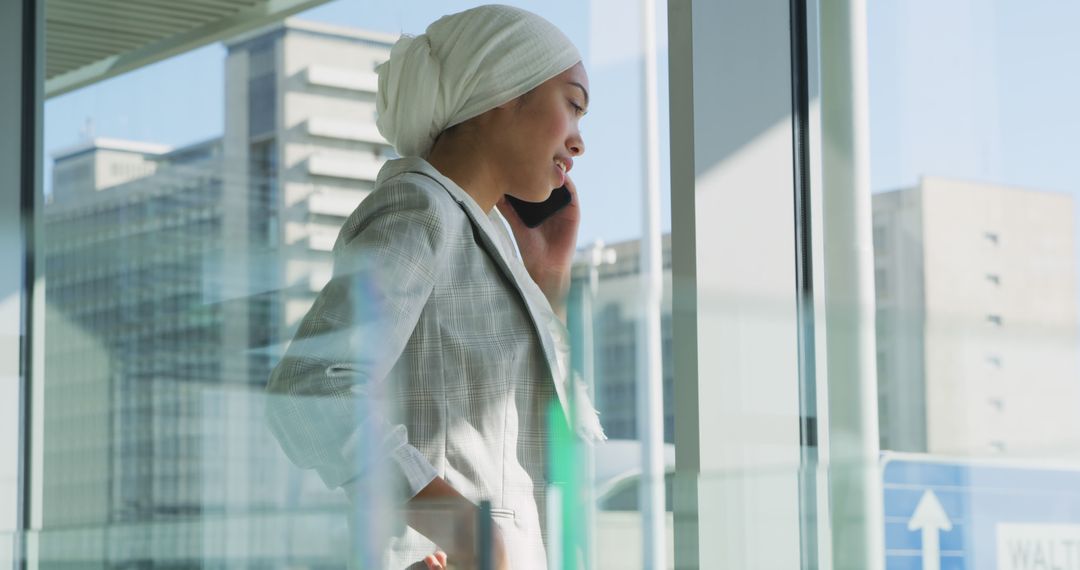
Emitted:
<point x="547" y="250"/>
<point x="430" y="511"/>
<point x="438" y="559"/>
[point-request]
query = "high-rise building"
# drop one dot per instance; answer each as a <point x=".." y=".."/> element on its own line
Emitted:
<point x="300" y="109"/>
<point x="175" y="276"/>
<point x="976" y="320"/>
<point x="127" y="333"/>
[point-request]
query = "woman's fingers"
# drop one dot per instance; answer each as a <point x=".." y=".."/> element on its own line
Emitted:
<point x="573" y="190"/>
<point x="436" y="561"/>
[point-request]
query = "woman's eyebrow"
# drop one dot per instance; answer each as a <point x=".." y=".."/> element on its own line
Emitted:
<point x="582" y="87"/>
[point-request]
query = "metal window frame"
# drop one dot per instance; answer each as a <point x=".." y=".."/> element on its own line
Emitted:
<point x="20" y="136"/>
<point x="826" y="425"/>
<point x="30" y="199"/>
<point x="741" y="426"/>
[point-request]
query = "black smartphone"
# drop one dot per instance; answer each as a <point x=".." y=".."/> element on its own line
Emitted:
<point x="534" y="213"/>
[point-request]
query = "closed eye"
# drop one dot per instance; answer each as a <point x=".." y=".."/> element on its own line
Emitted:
<point x="578" y="108"/>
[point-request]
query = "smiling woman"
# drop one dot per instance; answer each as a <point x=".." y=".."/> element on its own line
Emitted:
<point x="199" y="210"/>
<point x="328" y="180"/>
<point x="522" y="148"/>
<point x="455" y="359"/>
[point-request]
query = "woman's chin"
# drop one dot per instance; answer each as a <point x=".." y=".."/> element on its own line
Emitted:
<point x="535" y="196"/>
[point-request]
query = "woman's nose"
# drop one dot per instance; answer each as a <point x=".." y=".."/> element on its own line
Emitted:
<point x="576" y="146"/>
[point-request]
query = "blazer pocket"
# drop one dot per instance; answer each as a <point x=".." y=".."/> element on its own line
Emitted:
<point x="342" y="369"/>
<point x="503" y="513"/>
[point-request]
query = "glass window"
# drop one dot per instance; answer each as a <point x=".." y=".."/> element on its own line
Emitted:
<point x="192" y="211"/>
<point x="971" y="151"/>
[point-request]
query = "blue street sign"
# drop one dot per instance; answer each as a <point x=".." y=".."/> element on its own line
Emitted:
<point x="948" y="514"/>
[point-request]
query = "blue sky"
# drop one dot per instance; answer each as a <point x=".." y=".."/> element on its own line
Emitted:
<point x="982" y="90"/>
<point x="180" y="101"/>
<point x="975" y="89"/>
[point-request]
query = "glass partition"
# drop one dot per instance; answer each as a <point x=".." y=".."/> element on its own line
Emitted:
<point x="975" y="269"/>
<point x="192" y="209"/>
<point x="192" y="214"/>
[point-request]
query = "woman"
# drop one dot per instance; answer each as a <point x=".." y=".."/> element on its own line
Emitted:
<point x="432" y="359"/>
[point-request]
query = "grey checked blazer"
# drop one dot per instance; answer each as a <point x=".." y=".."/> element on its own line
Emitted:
<point x="431" y="351"/>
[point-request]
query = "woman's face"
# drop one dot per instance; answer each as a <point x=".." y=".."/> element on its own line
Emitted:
<point x="540" y="138"/>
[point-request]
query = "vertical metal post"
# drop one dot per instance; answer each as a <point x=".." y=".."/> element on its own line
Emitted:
<point x="588" y="494"/>
<point x="855" y="493"/>
<point x="735" y="314"/>
<point x="484" y="533"/>
<point x="21" y="25"/>
<point x="585" y="292"/>
<point x="804" y="276"/>
<point x="650" y="393"/>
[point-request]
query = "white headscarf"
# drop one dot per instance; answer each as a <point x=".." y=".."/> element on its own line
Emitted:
<point x="463" y="65"/>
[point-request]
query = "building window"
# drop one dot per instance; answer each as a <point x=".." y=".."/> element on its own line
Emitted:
<point x="262" y="89"/>
<point x="262" y="108"/>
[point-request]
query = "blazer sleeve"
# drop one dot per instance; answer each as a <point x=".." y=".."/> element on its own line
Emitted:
<point x="327" y="405"/>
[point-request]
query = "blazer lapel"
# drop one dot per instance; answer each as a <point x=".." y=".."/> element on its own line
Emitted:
<point x="488" y="240"/>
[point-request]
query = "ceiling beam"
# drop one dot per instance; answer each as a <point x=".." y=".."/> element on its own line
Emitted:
<point x="110" y="50"/>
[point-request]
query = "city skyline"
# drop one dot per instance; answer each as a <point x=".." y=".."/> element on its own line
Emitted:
<point x="193" y="209"/>
<point x="1031" y="142"/>
<point x="121" y="107"/>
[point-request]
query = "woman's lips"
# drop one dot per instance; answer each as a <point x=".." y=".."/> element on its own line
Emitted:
<point x="565" y="162"/>
<point x="559" y="168"/>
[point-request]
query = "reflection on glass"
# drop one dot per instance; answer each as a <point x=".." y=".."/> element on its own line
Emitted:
<point x="176" y="275"/>
<point x="976" y="289"/>
<point x="976" y="274"/>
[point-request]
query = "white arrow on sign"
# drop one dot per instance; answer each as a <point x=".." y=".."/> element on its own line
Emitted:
<point x="930" y="517"/>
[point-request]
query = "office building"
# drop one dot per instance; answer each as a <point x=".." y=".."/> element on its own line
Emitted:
<point x="976" y="320"/>
<point x="174" y="277"/>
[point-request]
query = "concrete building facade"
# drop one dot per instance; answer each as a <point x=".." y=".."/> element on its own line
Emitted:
<point x="976" y="320"/>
